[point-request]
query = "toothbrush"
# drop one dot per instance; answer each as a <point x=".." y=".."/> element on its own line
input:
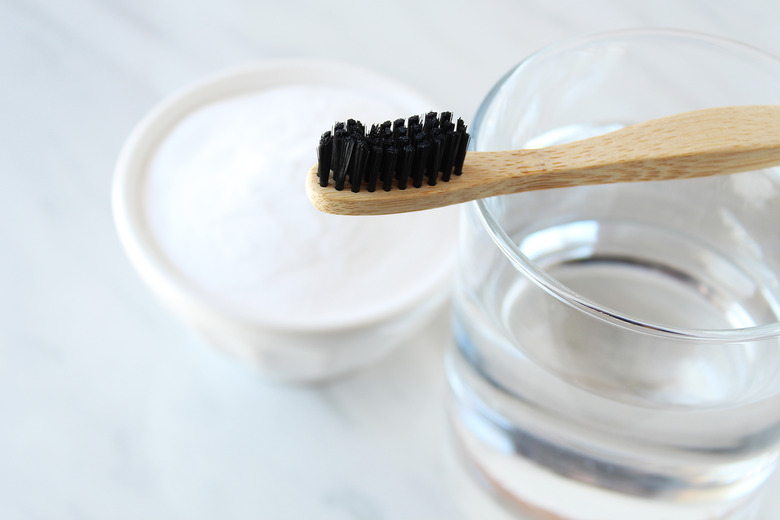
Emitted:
<point x="417" y="165"/>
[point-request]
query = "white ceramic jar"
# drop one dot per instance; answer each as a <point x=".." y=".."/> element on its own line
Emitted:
<point x="210" y="206"/>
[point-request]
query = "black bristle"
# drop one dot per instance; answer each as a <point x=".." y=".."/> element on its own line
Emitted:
<point x="448" y="157"/>
<point x="389" y="157"/>
<point x="400" y="145"/>
<point x="404" y="166"/>
<point x="413" y="120"/>
<point x="349" y="163"/>
<point x="374" y="134"/>
<point x="431" y="122"/>
<point x="340" y="175"/>
<point x="386" y="131"/>
<point x="372" y="168"/>
<point x="434" y="159"/>
<point x="338" y="146"/>
<point x="463" y="143"/>
<point x="447" y="126"/>
<point x="359" y="160"/>
<point x="418" y="163"/>
<point x="324" y="151"/>
<point x="398" y="128"/>
<point x="416" y="134"/>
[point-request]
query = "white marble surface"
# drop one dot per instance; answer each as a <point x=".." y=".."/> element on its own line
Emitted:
<point x="109" y="408"/>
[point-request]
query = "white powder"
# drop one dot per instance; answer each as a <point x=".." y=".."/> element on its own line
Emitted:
<point x="225" y="200"/>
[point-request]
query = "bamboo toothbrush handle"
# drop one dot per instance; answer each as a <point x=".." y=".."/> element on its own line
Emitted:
<point x="693" y="144"/>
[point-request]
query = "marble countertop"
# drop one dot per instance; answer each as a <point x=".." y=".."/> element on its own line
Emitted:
<point x="109" y="407"/>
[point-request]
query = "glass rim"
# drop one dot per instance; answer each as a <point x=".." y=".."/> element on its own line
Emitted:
<point x="557" y="289"/>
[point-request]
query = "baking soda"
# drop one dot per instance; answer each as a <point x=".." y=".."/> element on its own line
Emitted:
<point x="226" y="203"/>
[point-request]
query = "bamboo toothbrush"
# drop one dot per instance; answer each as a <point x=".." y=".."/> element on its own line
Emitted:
<point x="704" y="142"/>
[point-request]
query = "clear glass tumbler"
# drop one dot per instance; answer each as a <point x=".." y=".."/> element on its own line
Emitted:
<point x="617" y="347"/>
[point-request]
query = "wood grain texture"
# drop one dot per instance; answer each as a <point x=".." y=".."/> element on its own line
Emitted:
<point x="705" y="142"/>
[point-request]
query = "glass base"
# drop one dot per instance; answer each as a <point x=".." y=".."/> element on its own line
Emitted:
<point x="542" y="479"/>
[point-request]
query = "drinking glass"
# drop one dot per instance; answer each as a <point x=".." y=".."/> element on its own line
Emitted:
<point x="617" y="350"/>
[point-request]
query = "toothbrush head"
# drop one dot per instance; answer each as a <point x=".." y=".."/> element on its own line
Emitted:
<point x="392" y="153"/>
